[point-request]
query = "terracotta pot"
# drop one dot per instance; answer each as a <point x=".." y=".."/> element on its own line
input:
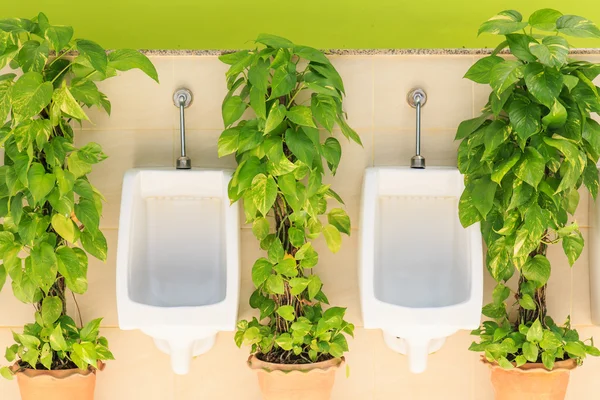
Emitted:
<point x="532" y="381"/>
<point x="68" y="384"/>
<point x="296" y="381"/>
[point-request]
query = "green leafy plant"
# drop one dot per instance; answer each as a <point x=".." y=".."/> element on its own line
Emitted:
<point x="524" y="160"/>
<point x="47" y="203"/>
<point x="280" y="159"/>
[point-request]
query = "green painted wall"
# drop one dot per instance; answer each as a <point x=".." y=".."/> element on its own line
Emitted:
<point x="230" y="24"/>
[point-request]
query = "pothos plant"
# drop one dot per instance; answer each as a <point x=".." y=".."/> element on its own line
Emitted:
<point x="292" y="90"/>
<point x="47" y="204"/>
<point x="524" y="160"/>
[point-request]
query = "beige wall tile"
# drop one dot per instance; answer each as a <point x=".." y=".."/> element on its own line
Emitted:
<point x="100" y="301"/>
<point x="396" y="147"/>
<point x="220" y="374"/>
<point x="201" y="148"/>
<point x="13" y="313"/>
<point x="205" y="77"/>
<point x="360" y="360"/>
<point x="125" y="150"/>
<point x="357" y="74"/>
<point x="137" y="101"/>
<point x="140" y="370"/>
<point x="449" y="96"/>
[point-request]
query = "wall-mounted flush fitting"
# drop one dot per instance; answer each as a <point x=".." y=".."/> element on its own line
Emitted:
<point x="182" y="98"/>
<point x="417" y="98"/>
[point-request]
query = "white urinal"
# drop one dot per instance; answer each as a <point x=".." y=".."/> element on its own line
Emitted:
<point x="178" y="259"/>
<point x="420" y="270"/>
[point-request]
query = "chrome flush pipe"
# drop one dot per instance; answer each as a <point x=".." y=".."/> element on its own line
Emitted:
<point x="416" y="99"/>
<point x="182" y="99"/>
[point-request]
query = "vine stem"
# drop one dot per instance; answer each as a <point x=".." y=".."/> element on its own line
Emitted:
<point x="78" y="310"/>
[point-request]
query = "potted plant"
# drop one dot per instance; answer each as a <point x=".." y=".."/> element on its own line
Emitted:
<point x="47" y="203"/>
<point x="296" y="344"/>
<point x="524" y="159"/>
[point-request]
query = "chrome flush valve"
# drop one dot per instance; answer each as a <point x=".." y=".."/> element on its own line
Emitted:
<point x="416" y="99"/>
<point x="182" y="99"/>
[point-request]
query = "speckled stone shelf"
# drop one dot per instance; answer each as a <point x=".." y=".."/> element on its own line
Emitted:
<point x="365" y="52"/>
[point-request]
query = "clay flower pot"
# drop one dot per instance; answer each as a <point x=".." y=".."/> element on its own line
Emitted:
<point x="532" y="381"/>
<point x="68" y="384"/>
<point x="296" y="381"/>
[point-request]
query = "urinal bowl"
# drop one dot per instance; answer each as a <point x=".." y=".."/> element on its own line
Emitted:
<point x="420" y="270"/>
<point x="178" y="259"/>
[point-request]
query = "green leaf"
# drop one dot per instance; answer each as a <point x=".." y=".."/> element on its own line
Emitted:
<point x="296" y="236"/>
<point x="33" y="56"/>
<point x="40" y="183"/>
<point x="504" y="167"/>
<point x="65" y="227"/>
<point x="263" y="192"/>
<point x="544" y="19"/>
<point x="94" y="243"/>
<point x="467" y="211"/>
<point x="548" y="360"/>
<point x="553" y="51"/>
<point x="531" y="167"/>
<point x="329" y="73"/>
<point x="287" y="267"/>
<point x="127" y="59"/>
<point x="503" y="75"/>
<point x="274" y="41"/>
<point x="556" y="117"/>
<point x="275" y="251"/>
<point x="275" y="284"/>
<point x="535" y="332"/>
<point x="64" y="100"/>
<point x="84" y="354"/>
<point x="228" y="142"/>
<point x="258" y="75"/>
<point x="52" y="308"/>
<point x="30" y="95"/>
<point x="573" y="246"/>
<point x="332" y="152"/>
<point x="573" y="25"/>
<point x="260" y="228"/>
<point x="78" y="166"/>
<point x="530" y="351"/>
<point x="333" y="238"/>
<point x="519" y="46"/>
<point x="275" y="117"/>
<point x="233" y="108"/>
<point x="284" y="341"/>
<point x="526" y="301"/>
<point x="89" y="333"/>
<point x="339" y="219"/>
<point x="525" y="118"/>
<point x="496" y="134"/>
<point x="537" y="269"/>
<point x="483" y="192"/>
<point x="500" y="293"/>
<point x="314" y="286"/>
<point x="300" y="145"/>
<point x="87" y="213"/>
<point x="550" y="341"/>
<point x="544" y="83"/>
<point x="324" y="109"/>
<point x="298" y="285"/>
<point x="257" y="102"/>
<point x="93" y="53"/>
<point x="43" y="266"/>
<point x="286" y="312"/>
<point x="72" y="265"/>
<point x="58" y="36"/>
<point x="6" y="373"/>
<point x="301" y="115"/>
<point x="480" y="71"/>
<point x="284" y="80"/>
<point x="261" y="271"/>
<point x="503" y="23"/>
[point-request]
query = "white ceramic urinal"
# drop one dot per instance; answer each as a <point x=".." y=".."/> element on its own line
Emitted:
<point x="420" y="270"/>
<point x="178" y="259"/>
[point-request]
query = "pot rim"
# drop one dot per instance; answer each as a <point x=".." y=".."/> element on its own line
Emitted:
<point x="320" y="367"/>
<point x="55" y="374"/>
<point x="562" y="365"/>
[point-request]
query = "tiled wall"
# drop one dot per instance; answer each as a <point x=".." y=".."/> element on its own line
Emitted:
<point x="142" y="132"/>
